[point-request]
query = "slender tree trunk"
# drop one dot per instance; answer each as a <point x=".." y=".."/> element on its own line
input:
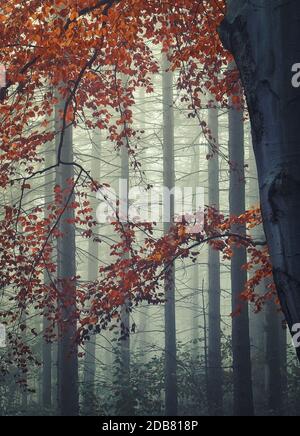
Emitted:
<point x="125" y="314"/>
<point x="171" y="406"/>
<point x="47" y="370"/>
<point x="144" y="308"/>
<point x="93" y="269"/>
<point x="67" y="350"/>
<point x="215" y="391"/>
<point x="195" y="181"/>
<point x="55" y="376"/>
<point x="196" y="311"/>
<point x="263" y="37"/>
<point x="205" y="336"/>
<point x="46" y="345"/>
<point x="24" y="397"/>
<point x="242" y="379"/>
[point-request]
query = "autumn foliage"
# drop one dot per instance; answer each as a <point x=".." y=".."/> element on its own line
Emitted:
<point x="80" y="51"/>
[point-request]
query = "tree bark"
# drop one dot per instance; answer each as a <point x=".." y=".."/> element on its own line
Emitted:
<point x="273" y="360"/>
<point x="242" y="378"/>
<point x="46" y="345"/>
<point x="169" y="182"/>
<point x="196" y="311"/>
<point x="215" y="376"/>
<point x="126" y="400"/>
<point x="68" y="395"/>
<point x="93" y="270"/>
<point x="264" y="38"/>
<point x="144" y="307"/>
<point x="257" y="320"/>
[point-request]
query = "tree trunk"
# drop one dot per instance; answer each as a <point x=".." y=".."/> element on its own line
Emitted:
<point x="144" y="307"/>
<point x="264" y="39"/>
<point x="24" y="397"/>
<point x="273" y="360"/>
<point x="283" y="354"/>
<point x="93" y="270"/>
<point x="257" y="320"/>
<point x="194" y="181"/>
<point x="268" y="349"/>
<point x="47" y="346"/>
<point x="242" y="379"/>
<point x="126" y="407"/>
<point x="169" y="182"/>
<point x="67" y="349"/>
<point x="195" y="311"/>
<point x="215" y="391"/>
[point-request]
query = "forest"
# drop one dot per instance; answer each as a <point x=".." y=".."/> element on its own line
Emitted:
<point x="149" y="208"/>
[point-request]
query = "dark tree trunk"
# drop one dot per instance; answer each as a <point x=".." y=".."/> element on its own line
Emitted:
<point x="283" y="347"/>
<point x="46" y="345"/>
<point x="273" y="360"/>
<point x="215" y="377"/>
<point x="169" y="182"/>
<point x="25" y="392"/>
<point x="127" y="406"/>
<point x="47" y="370"/>
<point x="68" y="396"/>
<point x="264" y="39"/>
<point x="93" y="271"/>
<point x="257" y="320"/>
<point x="242" y="377"/>
<point x="195" y="325"/>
